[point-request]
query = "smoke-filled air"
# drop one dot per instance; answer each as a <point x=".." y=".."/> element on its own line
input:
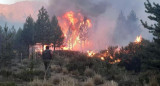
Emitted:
<point x="79" y="42"/>
<point x="106" y="25"/>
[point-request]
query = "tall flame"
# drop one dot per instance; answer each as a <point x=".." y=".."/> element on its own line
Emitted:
<point x="138" y="39"/>
<point x="75" y="27"/>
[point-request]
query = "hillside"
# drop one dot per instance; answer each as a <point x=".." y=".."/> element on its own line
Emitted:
<point x="18" y="12"/>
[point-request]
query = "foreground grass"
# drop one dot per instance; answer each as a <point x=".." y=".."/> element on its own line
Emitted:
<point x="76" y="69"/>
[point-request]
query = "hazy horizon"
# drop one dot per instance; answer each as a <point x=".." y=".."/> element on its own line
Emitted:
<point x="110" y="14"/>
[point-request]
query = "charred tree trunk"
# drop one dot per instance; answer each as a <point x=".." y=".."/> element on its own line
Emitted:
<point x="54" y="46"/>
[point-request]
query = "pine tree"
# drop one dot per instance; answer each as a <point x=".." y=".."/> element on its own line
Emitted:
<point x="154" y="10"/>
<point x="57" y="36"/>
<point x="132" y="25"/>
<point x="0" y="39"/>
<point x="127" y="29"/>
<point x="28" y="33"/>
<point x="18" y="41"/>
<point x="7" y="45"/>
<point x="42" y="27"/>
<point x="120" y="30"/>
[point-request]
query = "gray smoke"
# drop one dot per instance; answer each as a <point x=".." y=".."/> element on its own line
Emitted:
<point x="104" y="14"/>
<point x="87" y="7"/>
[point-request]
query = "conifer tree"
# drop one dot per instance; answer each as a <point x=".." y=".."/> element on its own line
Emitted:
<point x="154" y="11"/>
<point x="56" y="36"/>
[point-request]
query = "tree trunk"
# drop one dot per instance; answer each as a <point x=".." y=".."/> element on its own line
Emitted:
<point x="54" y="46"/>
<point x="28" y="51"/>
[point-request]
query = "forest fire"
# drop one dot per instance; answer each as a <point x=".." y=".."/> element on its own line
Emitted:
<point x="75" y="27"/>
<point x="91" y="53"/>
<point x="138" y="39"/>
<point x="105" y="55"/>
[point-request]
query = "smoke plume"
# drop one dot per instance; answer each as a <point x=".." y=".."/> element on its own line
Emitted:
<point x="104" y="15"/>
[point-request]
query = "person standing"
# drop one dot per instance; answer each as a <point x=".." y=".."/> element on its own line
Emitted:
<point x="47" y="57"/>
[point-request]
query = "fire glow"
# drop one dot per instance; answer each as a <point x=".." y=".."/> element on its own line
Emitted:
<point x="75" y="27"/>
<point x="104" y="56"/>
<point x="138" y="39"/>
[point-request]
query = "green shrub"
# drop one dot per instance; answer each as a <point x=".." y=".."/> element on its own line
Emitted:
<point x="5" y="73"/>
<point x="79" y="63"/>
<point x="8" y="84"/>
<point x="127" y="83"/>
<point x="28" y="75"/>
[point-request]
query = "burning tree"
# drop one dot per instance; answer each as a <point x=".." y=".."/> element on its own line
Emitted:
<point x="75" y="28"/>
<point x="69" y="37"/>
<point x="83" y="31"/>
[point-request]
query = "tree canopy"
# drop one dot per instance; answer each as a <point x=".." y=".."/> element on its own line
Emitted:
<point x="154" y="11"/>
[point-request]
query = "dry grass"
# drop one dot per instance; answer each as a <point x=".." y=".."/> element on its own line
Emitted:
<point x="89" y="82"/>
<point x="68" y="81"/>
<point x="65" y="71"/>
<point x="98" y="80"/>
<point x="89" y="73"/>
<point x="56" y="80"/>
<point x="111" y="83"/>
<point x="153" y="81"/>
<point x="56" y="68"/>
<point x="37" y="82"/>
<point x="75" y="72"/>
<point x="63" y="80"/>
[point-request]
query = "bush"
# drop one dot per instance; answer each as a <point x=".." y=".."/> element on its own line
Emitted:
<point x="79" y="63"/>
<point x="111" y="83"/>
<point x="28" y="75"/>
<point x="88" y="72"/>
<point x="5" y="73"/>
<point x="153" y="81"/>
<point x="68" y="81"/>
<point x="64" y="71"/>
<point x="75" y="72"/>
<point x="127" y="83"/>
<point x="55" y="68"/>
<point x="56" y="80"/>
<point x="37" y="82"/>
<point x="8" y="84"/>
<point x="100" y="67"/>
<point x="98" y="80"/>
<point x="89" y="82"/>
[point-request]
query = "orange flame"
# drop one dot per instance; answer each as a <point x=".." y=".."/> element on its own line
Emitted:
<point x="115" y="61"/>
<point x="102" y="58"/>
<point x="70" y="16"/>
<point x="91" y="53"/>
<point x="138" y="39"/>
<point x="73" y="26"/>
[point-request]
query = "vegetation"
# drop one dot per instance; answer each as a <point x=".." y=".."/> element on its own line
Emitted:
<point x="139" y="62"/>
<point x="56" y="36"/>
<point x="129" y="28"/>
<point x="155" y="28"/>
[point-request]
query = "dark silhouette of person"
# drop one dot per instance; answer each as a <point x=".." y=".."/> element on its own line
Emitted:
<point x="47" y="57"/>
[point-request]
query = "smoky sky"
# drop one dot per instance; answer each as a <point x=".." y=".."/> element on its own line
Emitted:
<point x="105" y="14"/>
<point x="87" y="7"/>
